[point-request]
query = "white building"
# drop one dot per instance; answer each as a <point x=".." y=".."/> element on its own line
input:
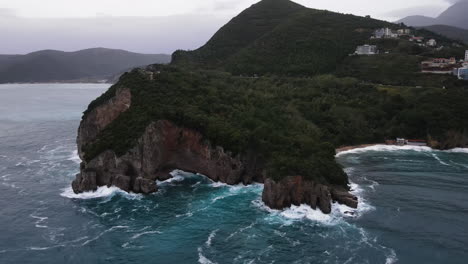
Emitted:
<point x="431" y="43"/>
<point x="466" y="56"/>
<point x="384" y="33"/>
<point x="366" y="50"/>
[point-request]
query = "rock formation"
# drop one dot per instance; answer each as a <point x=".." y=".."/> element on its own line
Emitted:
<point x="165" y="147"/>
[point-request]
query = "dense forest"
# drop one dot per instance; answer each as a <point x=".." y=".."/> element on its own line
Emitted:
<point x="279" y="81"/>
<point x="293" y="123"/>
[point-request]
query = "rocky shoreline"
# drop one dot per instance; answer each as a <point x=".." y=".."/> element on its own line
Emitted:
<point x="165" y="147"/>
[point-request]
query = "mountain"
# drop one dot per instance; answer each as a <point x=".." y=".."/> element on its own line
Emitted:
<point x="450" y="32"/>
<point x="85" y="65"/>
<point x="259" y="103"/>
<point x="455" y="15"/>
<point x="279" y="36"/>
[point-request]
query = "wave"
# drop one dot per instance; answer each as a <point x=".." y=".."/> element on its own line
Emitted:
<point x="103" y="233"/>
<point x="439" y="160"/>
<point x="305" y="212"/>
<point x="75" y="157"/>
<point x="39" y="220"/>
<point x="392" y="148"/>
<point x="457" y="150"/>
<point x="210" y="238"/>
<point x="101" y="192"/>
<point x="201" y="258"/>
<point x="145" y="233"/>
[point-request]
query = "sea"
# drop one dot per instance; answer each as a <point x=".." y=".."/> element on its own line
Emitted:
<point x="413" y="203"/>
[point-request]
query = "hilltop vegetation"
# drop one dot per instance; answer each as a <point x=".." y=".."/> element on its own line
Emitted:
<point x="293" y="123"/>
<point x="281" y="37"/>
<point x="292" y="116"/>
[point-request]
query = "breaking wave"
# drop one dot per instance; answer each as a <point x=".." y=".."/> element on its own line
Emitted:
<point x="392" y="148"/>
<point x="101" y="192"/>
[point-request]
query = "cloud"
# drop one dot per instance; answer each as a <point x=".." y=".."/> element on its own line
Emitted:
<point x="7" y="12"/>
<point x="225" y="5"/>
<point x="139" y="34"/>
<point x="455" y="1"/>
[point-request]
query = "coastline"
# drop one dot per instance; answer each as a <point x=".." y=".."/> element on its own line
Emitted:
<point x="347" y="148"/>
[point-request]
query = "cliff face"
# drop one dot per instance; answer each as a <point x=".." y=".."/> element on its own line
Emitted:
<point x="102" y="116"/>
<point x="452" y="139"/>
<point x="165" y="147"/>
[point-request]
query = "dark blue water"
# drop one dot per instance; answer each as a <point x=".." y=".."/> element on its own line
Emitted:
<point x="413" y="203"/>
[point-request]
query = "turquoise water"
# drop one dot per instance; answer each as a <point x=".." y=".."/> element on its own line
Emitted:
<point x="413" y="203"/>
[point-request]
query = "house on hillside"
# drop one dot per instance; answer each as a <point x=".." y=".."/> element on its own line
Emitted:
<point x="404" y="32"/>
<point x="439" y="66"/>
<point x="366" y="50"/>
<point x="431" y="43"/>
<point x="417" y="39"/>
<point x="384" y="33"/>
<point x="461" y="73"/>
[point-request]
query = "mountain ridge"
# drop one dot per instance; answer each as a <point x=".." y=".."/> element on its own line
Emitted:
<point x="454" y="16"/>
<point x="88" y="65"/>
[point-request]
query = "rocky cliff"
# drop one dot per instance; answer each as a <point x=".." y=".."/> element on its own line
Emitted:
<point x="165" y="147"/>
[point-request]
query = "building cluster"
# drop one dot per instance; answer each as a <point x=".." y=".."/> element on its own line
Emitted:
<point x="366" y="50"/>
<point x="447" y="66"/>
<point x="388" y="33"/>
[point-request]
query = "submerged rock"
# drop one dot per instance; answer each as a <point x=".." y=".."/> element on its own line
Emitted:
<point x="295" y="190"/>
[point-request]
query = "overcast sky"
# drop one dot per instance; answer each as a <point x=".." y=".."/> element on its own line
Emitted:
<point x="154" y="26"/>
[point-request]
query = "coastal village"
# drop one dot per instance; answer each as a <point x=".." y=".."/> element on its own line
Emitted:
<point x="449" y="66"/>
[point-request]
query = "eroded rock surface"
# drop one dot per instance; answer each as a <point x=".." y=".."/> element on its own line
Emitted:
<point x="165" y="147"/>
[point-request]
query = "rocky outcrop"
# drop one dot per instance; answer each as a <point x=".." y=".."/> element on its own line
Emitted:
<point x="165" y="147"/>
<point x="100" y="117"/>
<point x="452" y="139"/>
<point x="295" y="190"/>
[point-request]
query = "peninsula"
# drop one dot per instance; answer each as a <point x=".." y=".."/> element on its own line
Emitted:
<point x="268" y="99"/>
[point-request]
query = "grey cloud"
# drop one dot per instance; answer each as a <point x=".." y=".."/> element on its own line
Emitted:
<point x="226" y="5"/>
<point x="139" y="34"/>
<point x="6" y="12"/>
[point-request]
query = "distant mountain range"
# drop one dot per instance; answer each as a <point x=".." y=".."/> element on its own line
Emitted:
<point x="452" y="23"/>
<point x="456" y="16"/>
<point x="90" y="65"/>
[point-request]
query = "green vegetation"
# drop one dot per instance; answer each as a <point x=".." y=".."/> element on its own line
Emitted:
<point x="293" y="123"/>
<point x="292" y="116"/>
<point x="282" y="38"/>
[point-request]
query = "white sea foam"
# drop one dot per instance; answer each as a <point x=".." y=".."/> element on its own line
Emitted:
<point x="210" y="238"/>
<point x="439" y="160"/>
<point x="458" y="150"/>
<point x="175" y="178"/>
<point x="385" y="148"/>
<point x="75" y="157"/>
<point x="202" y="259"/>
<point x="305" y="212"/>
<point x="392" y="148"/>
<point x="242" y="229"/>
<point x="145" y="233"/>
<point x="391" y="257"/>
<point x="39" y="220"/>
<point x="103" y="233"/>
<point x="101" y="192"/>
